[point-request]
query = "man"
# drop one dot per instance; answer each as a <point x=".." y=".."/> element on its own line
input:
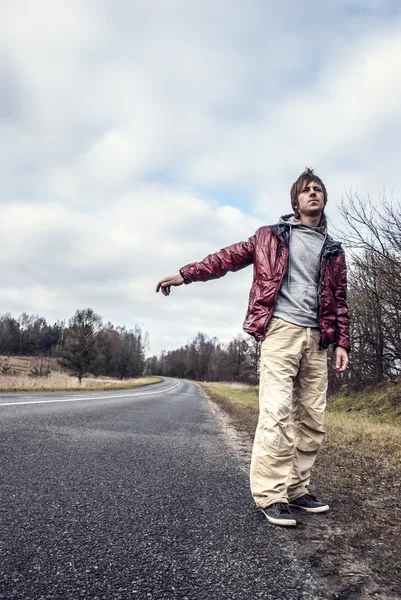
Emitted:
<point x="297" y="309"/>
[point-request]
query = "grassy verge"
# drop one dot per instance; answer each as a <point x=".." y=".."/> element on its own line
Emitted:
<point x="60" y="382"/>
<point x="381" y="404"/>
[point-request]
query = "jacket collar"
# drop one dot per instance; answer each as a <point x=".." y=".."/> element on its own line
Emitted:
<point x="282" y="228"/>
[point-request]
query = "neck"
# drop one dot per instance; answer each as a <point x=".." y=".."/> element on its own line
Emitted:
<point x="310" y="221"/>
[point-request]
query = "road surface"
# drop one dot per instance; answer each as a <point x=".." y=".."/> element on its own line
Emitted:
<point x="132" y="494"/>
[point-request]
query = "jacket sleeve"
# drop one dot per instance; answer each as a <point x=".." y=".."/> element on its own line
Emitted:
<point x="343" y="338"/>
<point x="232" y="258"/>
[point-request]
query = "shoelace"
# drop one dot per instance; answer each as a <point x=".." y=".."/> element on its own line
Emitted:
<point x="283" y="507"/>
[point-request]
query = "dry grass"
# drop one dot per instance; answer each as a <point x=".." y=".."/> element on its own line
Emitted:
<point x="22" y="365"/>
<point x="381" y="402"/>
<point x="377" y="440"/>
<point x="63" y="382"/>
<point x="235" y="385"/>
<point x="233" y="392"/>
<point x="19" y="380"/>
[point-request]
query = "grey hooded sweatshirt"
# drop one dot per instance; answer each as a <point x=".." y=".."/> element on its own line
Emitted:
<point x="297" y="300"/>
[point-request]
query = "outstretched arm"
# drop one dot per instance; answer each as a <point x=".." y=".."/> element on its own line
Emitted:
<point x="232" y="258"/>
<point x="215" y="265"/>
<point x="165" y="284"/>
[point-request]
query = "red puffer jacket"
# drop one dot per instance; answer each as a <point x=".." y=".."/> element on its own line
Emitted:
<point x="267" y="249"/>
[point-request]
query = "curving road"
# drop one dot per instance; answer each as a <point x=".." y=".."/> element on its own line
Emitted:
<point x="122" y="495"/>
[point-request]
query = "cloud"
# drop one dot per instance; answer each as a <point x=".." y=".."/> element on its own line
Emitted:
<point x="111" y="260"/>
<point x="332" y="122"/>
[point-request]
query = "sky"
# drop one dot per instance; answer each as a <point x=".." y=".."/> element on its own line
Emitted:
<point x="141" y="135"/>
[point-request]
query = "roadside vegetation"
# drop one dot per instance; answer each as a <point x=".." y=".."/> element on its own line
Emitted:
<point x="59" y="382"/>
<point x="26" y="374"/>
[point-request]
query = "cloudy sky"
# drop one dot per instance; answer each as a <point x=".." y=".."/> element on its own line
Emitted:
<point x="138" y="136"/>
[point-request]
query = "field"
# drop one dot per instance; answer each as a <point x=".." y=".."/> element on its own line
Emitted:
<point x="357" y="545"/>
<point x="18" y="378"/>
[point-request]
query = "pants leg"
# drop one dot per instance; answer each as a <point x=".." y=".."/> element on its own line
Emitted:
<point x="273" y="447"/>
<point x="310" y="391"/>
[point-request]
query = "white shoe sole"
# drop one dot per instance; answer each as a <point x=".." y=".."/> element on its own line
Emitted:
<point x="318" y="509"/>
<point x="278" y="521"/>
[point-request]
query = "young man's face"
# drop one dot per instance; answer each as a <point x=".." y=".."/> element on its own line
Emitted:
<point x="311" y="200"/>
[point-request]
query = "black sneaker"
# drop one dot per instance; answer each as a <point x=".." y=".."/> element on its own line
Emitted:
<point x="310" y="504"/>
<point x="279" y="514"/>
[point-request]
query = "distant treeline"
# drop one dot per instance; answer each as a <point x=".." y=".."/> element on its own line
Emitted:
<point x="84" y="345"/>
<point x="206" y="359"/>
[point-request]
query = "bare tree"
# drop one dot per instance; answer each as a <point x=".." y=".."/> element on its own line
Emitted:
<point x="372" y="233"/>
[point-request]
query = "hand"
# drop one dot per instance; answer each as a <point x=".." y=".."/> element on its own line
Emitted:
<point x="342" y="359"/>
<point x="166" y="283"/>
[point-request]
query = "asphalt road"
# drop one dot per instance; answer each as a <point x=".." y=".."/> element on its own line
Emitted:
<point x="132" y="494"/>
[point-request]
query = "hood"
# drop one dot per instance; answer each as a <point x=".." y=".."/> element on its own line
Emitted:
<point x="292" y="221"/>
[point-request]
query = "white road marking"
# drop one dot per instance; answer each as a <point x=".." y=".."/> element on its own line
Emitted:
<point x="80" y="399"/>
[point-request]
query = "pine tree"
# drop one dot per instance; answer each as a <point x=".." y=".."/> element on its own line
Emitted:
<point x="80" y="353"/>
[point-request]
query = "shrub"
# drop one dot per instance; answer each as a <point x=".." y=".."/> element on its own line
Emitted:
<point x="5" y="368"/>
<point x="40" y="370"/>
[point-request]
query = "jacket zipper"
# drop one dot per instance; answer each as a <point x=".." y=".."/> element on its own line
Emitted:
<point x="280" y="252"/>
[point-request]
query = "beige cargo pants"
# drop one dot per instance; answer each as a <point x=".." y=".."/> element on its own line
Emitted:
<point x="292" y="400"/>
